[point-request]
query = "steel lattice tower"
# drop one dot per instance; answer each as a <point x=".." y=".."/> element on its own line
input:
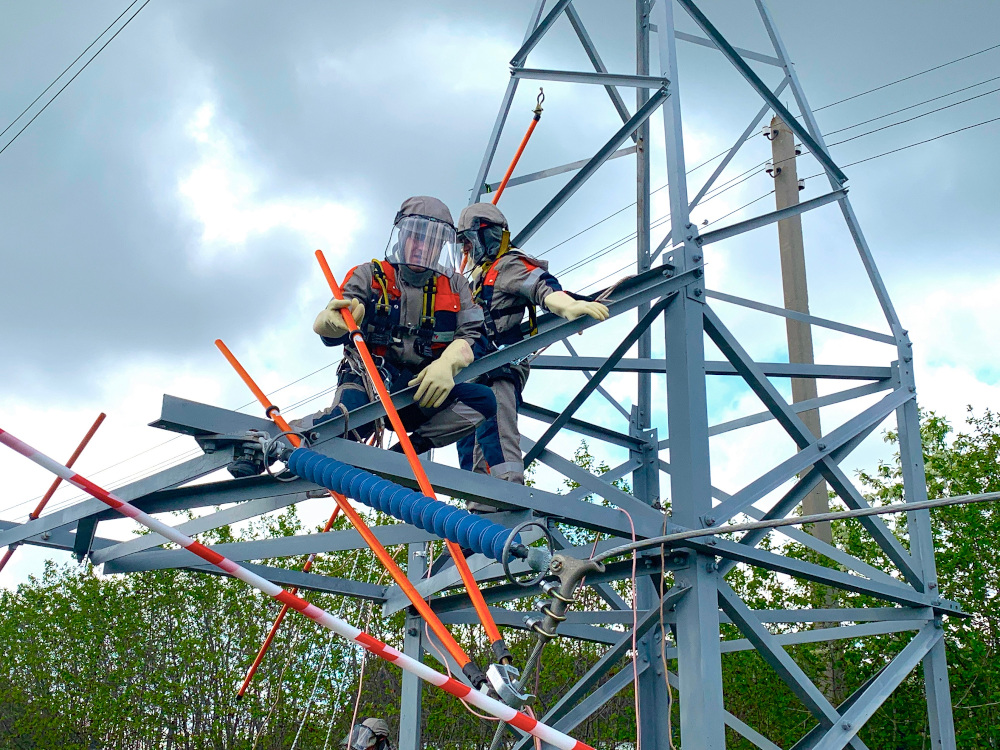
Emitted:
<point x="670" y="286"/>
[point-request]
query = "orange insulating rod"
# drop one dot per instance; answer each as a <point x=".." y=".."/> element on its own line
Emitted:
<point x="281" y="615"/>
<point x="55" y="484"/>
<point x="482" y="611"/>
<point x="520" y="149"/>
<point x="443" y="634"/>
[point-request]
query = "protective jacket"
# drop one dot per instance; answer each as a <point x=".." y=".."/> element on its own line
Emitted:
<point x="410" y="317"/>
<point x="513" y="284"/>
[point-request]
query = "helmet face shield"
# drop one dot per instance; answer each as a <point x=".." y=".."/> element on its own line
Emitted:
<point x="482" y="242"/>
<point x="424" y="243"/>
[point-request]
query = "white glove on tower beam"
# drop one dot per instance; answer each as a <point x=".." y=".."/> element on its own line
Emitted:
<point x="330" y="322"/>
<point x="438" y="378"/>
<point x="566" y="307"/>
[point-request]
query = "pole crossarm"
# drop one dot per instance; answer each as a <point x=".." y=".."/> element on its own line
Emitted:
<point x="600" y="79"/>
<point x="748" y="54"/>
<point x="770" y="369"/>
<point x="763" y="91"/>
<point x="771" y="218"/>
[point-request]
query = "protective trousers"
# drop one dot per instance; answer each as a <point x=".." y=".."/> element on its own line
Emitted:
<point x="498" y="437"/>
<point x="467" y="406"/>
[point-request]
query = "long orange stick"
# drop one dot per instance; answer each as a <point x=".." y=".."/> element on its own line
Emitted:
<point x="520" y="149"/>
<point x="482" y="611"/>
<point x="55" y="484"/>
<point x="443" y="634"/>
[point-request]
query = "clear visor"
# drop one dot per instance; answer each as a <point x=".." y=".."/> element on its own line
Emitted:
<point x="425" y="243"/>
<point x="472" y="246"/>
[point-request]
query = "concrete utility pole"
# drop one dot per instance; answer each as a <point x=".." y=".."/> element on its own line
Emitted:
<point x="793" y="282"/>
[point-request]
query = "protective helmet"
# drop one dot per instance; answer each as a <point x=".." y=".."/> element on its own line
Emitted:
<point x="481" y="231"/>
<point x="371" y="734"/>
<point x="423" y="237"/>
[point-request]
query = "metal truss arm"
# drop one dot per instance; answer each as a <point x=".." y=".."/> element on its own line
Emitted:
<point x="748" y="54"/>
<point x="588" y="374"/>
<point x="595" y="59"/>
<point x="600" y="79"/>
<point x="641" y="115"/>
<point x="627" y="343"/>
<point x="539" y="31"/>
<point x="763" y="91"/>
<point x="779" y="660"/>
<point x="771" y="218"/>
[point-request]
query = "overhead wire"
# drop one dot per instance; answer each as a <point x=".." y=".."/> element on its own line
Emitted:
<point x="83" y="68"/>
<point x="66" y="69"/>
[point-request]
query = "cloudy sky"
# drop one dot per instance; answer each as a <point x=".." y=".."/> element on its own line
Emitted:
<point x="175" y="191"/>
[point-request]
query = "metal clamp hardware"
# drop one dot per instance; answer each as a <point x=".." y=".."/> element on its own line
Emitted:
<point x="503" y="678"/>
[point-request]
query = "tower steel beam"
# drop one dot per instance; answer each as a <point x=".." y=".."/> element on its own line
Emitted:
<point x="702" y="593"/>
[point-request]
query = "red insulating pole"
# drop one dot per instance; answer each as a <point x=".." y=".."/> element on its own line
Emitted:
<point x="482" y="611"/>
<point x="55" y="484"/>
<point x="520" y="149"/>
<point x="316" y="614"/>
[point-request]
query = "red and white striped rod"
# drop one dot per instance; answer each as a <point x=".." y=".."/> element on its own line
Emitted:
<point x="338" y="626"/>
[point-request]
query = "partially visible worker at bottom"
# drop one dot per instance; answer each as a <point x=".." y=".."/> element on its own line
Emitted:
<point x="371" y="734"/>
<point x="506" y="282"/>
<point x="420" y="324"/>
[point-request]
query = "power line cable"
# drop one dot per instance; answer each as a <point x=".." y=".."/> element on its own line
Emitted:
<point x="56" y="79"/>
<point x="907" y="78"/>
<point x="83" y="68"/>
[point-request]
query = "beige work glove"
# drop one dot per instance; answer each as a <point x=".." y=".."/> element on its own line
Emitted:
<point x="330" y="322"/>
<point x="565" y="306"/>
<point x="438" y="378"/>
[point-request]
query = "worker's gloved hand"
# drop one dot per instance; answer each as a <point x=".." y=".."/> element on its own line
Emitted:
<point x="438" y="378"/>
<point x="330" y="322"/>
<point x="566" y="307"/>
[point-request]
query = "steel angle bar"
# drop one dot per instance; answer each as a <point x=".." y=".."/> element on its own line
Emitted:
<point x="828" y="635"/>
<point x="732" y="152"/>
<point x="770" y="369"/>
<point x="804" y="317"/>
<point x="640" y="512"/>
<point x="807" y="457"/>
<point x="553" y="171"/>
<point x="840" y="734"/>
<point x="801" y="406"/>
<point x="588" y="374"/>
<point x="609" y="658"/>
<point x="627" y="343"/>
<point x="539" y="31"/>
<point x="601" y="79"/>
<point x="505" y="102"/>
<point x="741" y="727"/>
<point x="304" y="581"/>
<point x="597" y="432"/>
<point x="261" y="549"/>
<point x="595" y="59"/>
<point x="62" y="538"/>
<point x="593" y="702"/>
<point x="184" y="472"/>
<point x="762" y="90"/>
<point x="899" y="593"/>
<point x="748" y="54"/>
<point x="812" y="737"/>
<point x="844" y="614"/>
<point x="616" y="141"/>
<point x="241" y="512"/>
<point x="572" y="628"/>
<point x="776" y="657"/>
<point x="771" y="218"/>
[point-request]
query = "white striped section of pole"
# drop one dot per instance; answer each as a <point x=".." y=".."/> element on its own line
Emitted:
<point x="338" y="626"/>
